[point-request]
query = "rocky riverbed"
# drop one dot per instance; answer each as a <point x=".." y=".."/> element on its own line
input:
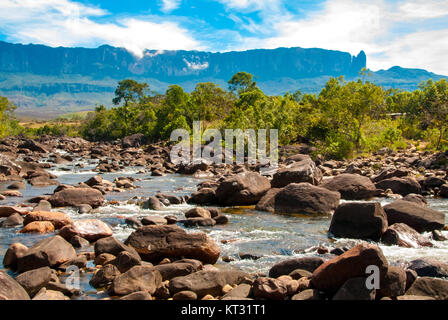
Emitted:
<point x="138" y="227"/>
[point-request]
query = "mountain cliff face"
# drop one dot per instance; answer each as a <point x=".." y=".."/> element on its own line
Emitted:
<point x="46" y="80"/>
<point x="107" y="61"/>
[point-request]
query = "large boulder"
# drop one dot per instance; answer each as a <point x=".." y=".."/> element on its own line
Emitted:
<point x="173" y="270"/>
<point x="400" y="234"/>
<point x="301" y="198"/>
<point x="206" y="282"/>
<point x="89" y="229"/>
<point x="242" y="189"/>
<point x="104" y="276"/>
<point x="10" y="289"/>
<point x="15" y="251"/>
<point x="359" y="220"/>
<point x="6" y="211"/>
<point x="302" y="171"/>
<point x="34" y="280"/>
<point x="429" y="287"/>
<point x="203" y="196"/>
<point x="156" y="242"/>
<point x="351" y="186"/>
<point x="285" y="267"/>
<point x="58" y="219"/>
<point x="138" y="278"/>
<point x="38" y="227"/>
<point x="418" y="217"/>
<point x="403" y="186"/>
<point x="332" y="274"/>
<point x="428" y="267"/>
<point x="393" y="284"/>
<point x="50" y="252"/>
<point x="76" y="196"/>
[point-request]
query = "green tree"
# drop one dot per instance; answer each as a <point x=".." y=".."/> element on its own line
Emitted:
<point x="242" y="82"/>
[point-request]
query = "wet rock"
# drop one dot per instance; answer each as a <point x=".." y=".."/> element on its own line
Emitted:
<point x="297" y="172"/>
<point x="390" y="173"/>
<point x="76" y="196"/>
<point x="89" y="229"/>
<point x="43" y="205"/>
<point x="203" y="196"/>
<point x="429" y="287"/>
<point x="221" y="219"/>
<point x="133" y="141"/>
<point x="14" y="252"/>
<point x="58" y="219"/>
<point x="359" y="220"/>
<point x="83" y="208"/>
<point x="403" y="186"/>
<point x="332" y="274"/>
<point x="94" y="181"/>
<point x="394" y="283"/>
<point x="104" y="276"/>
<point x="152" y="203"/>
<point x="287" y="266"/>
<point x="269" y="288"/>
<point x="416" y="198"/>
<point x="10" y="289"/>
<point x="138" y="278"/>
<point x="198" y="213"/>
<point x="242" y="189"/>
<point x="351" y="186"/>
<point x="185" y="295"/>
<point x="34" y="280"/>
<point x="41" y="227"/>
<point x="202" y="222"/>
<point x="419" y="218"/>
<point x="402" y="235"/>
<point x="43" y="181"/>
<point x="150" y="221"/>
<point x="125" y="261"/>
<point x="154" y="243"/>
<point x="33" y="146"/>
<point x="432" y="182"/>
<point x="304" y="198"/>
<point x="51" y="252"/>
<point x="443" y="191"/>
<point x="206" y="282"/>
<point x="12" y="193"/>
<point x="429" y="268"/>
<point x="411" y="276"/>
<point x="438" y="236"/>
<point x="17" y="185"/>
<point x="355" y="289"/>
<point x="12" y="221"/>
<point x="133" y="222"/>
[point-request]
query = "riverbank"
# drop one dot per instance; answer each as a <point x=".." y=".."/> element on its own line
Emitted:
<point x="258" y="225"/>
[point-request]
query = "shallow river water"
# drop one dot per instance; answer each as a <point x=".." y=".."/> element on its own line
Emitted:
<point x="272" y="237"/>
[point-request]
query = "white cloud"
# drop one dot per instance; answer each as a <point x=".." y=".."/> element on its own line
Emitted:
<point x="196" y="66"/>
<point x="170" y="5"/>
<point x="422" y="9"/>
<point x="68" y="23"/>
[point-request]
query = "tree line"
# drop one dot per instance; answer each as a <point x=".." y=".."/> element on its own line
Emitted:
<point x="346" y="118"/>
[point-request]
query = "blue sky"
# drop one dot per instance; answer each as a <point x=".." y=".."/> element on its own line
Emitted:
<point x="410" y="33"/>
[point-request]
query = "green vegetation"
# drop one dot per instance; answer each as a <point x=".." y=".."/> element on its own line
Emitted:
<point x="345" y="119"/>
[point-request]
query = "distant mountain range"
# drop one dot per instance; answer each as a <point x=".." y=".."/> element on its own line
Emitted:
<point x="45" y="81"/>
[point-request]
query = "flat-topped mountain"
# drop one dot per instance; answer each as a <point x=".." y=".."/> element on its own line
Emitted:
<point x="47" y="80"/>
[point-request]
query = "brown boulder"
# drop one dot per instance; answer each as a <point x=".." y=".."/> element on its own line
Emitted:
<point x="242" y="189"/>
<point x="297" y="172"/>
<point x="417" y="217"/>
<point x="351" y="186"/>
<point x="154" y="243"/>
<point x="10" y="289"/>
<point x="285" y="267"/>
<point x="76" y="196"/>
<point x="58" y="219"/>
<point x="38" y="227"/>
<point x="269" y="288"/>
<point x="34" y="280"/>
<point x="50" y="252"/>
<point x="332" y="274"/>
<point x="355" y="289"/>
<point x="429" y="287"/>
<point x="359" y="220"/>
<point x="402" y="235"/>
<point x="89" y="229"/>
<point x="403" y="186"/>
<point x="138" y="278"/>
